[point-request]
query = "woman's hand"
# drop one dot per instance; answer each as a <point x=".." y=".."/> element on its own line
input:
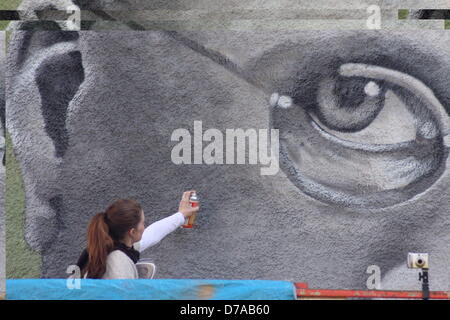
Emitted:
<point x="185" y="207"/>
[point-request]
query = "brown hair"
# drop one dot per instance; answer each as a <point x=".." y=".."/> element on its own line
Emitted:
<point x="108" y="227"/>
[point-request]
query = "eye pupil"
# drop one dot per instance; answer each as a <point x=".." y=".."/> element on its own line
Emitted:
<point x="350" y="92"/>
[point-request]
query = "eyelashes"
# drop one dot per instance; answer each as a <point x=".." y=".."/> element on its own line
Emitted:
<point x="345" y="149"/>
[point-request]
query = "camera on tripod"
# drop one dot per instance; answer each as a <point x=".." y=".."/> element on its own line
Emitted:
<point x="418" y="260"/>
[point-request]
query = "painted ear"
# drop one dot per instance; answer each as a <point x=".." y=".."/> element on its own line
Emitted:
<point x="44" y="72"/>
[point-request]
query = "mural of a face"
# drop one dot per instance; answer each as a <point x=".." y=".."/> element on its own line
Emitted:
<point x="363" y="145"/>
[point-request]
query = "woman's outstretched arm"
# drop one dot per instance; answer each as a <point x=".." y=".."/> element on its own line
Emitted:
<point x="154" y="233"/>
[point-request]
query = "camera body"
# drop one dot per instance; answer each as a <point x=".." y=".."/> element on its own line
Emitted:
<point x="418" y="260"/>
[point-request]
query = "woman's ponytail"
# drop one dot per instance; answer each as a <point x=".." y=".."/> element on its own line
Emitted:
<point x="104" y="230"/>
<point x="99" y="245"/>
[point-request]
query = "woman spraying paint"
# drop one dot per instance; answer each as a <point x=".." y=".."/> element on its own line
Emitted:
<point x="116" y="237"/>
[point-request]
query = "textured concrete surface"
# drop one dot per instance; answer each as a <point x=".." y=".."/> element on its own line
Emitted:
<point x="91" y="115"/>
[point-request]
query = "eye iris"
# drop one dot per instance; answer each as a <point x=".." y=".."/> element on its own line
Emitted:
<point x="349" y="104"/>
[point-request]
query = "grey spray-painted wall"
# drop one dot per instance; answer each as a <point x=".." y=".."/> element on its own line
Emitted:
<point x="2" y="168"/>
<point x="91" y="116"/>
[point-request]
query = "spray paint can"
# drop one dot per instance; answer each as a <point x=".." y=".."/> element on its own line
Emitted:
<point x="193" y="201"/>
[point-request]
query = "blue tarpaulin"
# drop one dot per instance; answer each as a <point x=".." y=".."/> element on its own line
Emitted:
<point x="145" y="289"/>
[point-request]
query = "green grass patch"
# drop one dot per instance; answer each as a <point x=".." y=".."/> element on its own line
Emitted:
<point x="3" y="25"/>
<point x="9" y="4"/>
<point x="447" y="24"/>
<point x="22" y="261"/>
<point x="403" y="14"/>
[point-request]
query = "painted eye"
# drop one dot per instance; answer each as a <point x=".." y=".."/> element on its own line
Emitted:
<point x="371" y="137"/>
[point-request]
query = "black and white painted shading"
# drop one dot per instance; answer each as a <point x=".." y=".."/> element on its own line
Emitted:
<point x="2" y="164"/>
<point x="360" y="130"/>
<point x="363" y="119"/>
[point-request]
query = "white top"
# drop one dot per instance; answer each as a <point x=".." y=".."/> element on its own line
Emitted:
<point x="120" y="266"/>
